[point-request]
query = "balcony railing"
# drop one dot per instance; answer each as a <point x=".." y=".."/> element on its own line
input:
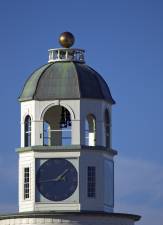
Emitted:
<point x="57" y="137"/>
<point x="66" y="54"/>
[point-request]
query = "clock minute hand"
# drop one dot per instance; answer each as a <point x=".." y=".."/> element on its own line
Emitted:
<point x="55" y="179"/>
<point x="61" y="175"/>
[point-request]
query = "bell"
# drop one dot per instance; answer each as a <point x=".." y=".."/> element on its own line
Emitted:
<point x="62" y="120"/>
<point x="68" y="118"/>
<point x="65" y="118"/>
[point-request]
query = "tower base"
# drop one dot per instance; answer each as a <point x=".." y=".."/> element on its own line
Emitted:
<point x="69" y="218"/>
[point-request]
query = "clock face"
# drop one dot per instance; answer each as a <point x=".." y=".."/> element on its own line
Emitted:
<point x="57" y="179"/>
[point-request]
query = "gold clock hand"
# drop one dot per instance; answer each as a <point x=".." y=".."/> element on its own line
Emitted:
<point x="55" y="179"/>
<point x="44" y="181"/>
<point x="61" y="175"/>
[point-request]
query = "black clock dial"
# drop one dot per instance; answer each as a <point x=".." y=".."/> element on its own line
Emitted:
<point x="56" y="179"/>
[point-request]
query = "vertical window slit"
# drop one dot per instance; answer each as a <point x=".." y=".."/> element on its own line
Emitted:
<point x="91" y="188"/>
<point x="26" y="183"/>
<point x="27" y="131"/>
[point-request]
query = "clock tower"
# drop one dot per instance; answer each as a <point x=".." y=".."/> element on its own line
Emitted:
<point x="66" y="157"/>
<point x="66" y="165"/>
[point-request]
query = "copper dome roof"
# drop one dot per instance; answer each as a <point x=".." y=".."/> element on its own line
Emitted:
<point x="65" y="80"/>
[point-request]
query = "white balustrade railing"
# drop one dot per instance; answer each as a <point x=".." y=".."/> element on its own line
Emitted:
<point x="66" y="54"/>
<point x="57" y="137"/>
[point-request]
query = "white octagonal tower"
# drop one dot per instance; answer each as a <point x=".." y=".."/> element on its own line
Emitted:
<point x="66" y="166"/>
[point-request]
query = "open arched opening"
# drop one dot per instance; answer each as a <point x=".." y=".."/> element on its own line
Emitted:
<point x="90" y="130"/>
<point x="57" y="126"/>
<point x="107" y="128"/>
<point x="27" y="131"/>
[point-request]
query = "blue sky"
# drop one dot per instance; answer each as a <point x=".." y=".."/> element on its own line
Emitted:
<point x="123" y="42"/>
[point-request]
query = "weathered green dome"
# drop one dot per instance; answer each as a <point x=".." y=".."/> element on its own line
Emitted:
<point x="65" y="80"/>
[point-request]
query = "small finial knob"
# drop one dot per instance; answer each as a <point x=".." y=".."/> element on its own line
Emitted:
<point x="66" y="39"/>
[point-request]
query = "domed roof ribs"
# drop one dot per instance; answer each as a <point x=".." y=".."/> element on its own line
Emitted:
<point x="65" y="80"/>
<point x="98" y="82"/>
<point x="92" y="84"/>
<point x="34" y="94"/>
<point x="58" y="82"/>
<point x="101" y="80"/>
<point x="29" y="88"/>
<point x="78" y="79"/>
<point x="74" y="64"/>
<point x="89" y="87"/>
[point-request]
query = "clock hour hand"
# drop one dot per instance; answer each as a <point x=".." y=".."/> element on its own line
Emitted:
<point x="45" y="181"/>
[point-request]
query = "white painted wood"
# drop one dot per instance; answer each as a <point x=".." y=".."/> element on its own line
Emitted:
<point x="70" y="54"/>
<point x="79" y="110"/>
<point x="69" y="220"/>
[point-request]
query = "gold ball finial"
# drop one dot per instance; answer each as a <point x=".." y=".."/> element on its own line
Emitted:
<point x="66" y="39"/>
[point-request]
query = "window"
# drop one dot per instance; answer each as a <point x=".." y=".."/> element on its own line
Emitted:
<point x="26" y="183"/>
<point x="27" y="131"/>
<point x="90" y="130"/>
<point x="91" y="188"/>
